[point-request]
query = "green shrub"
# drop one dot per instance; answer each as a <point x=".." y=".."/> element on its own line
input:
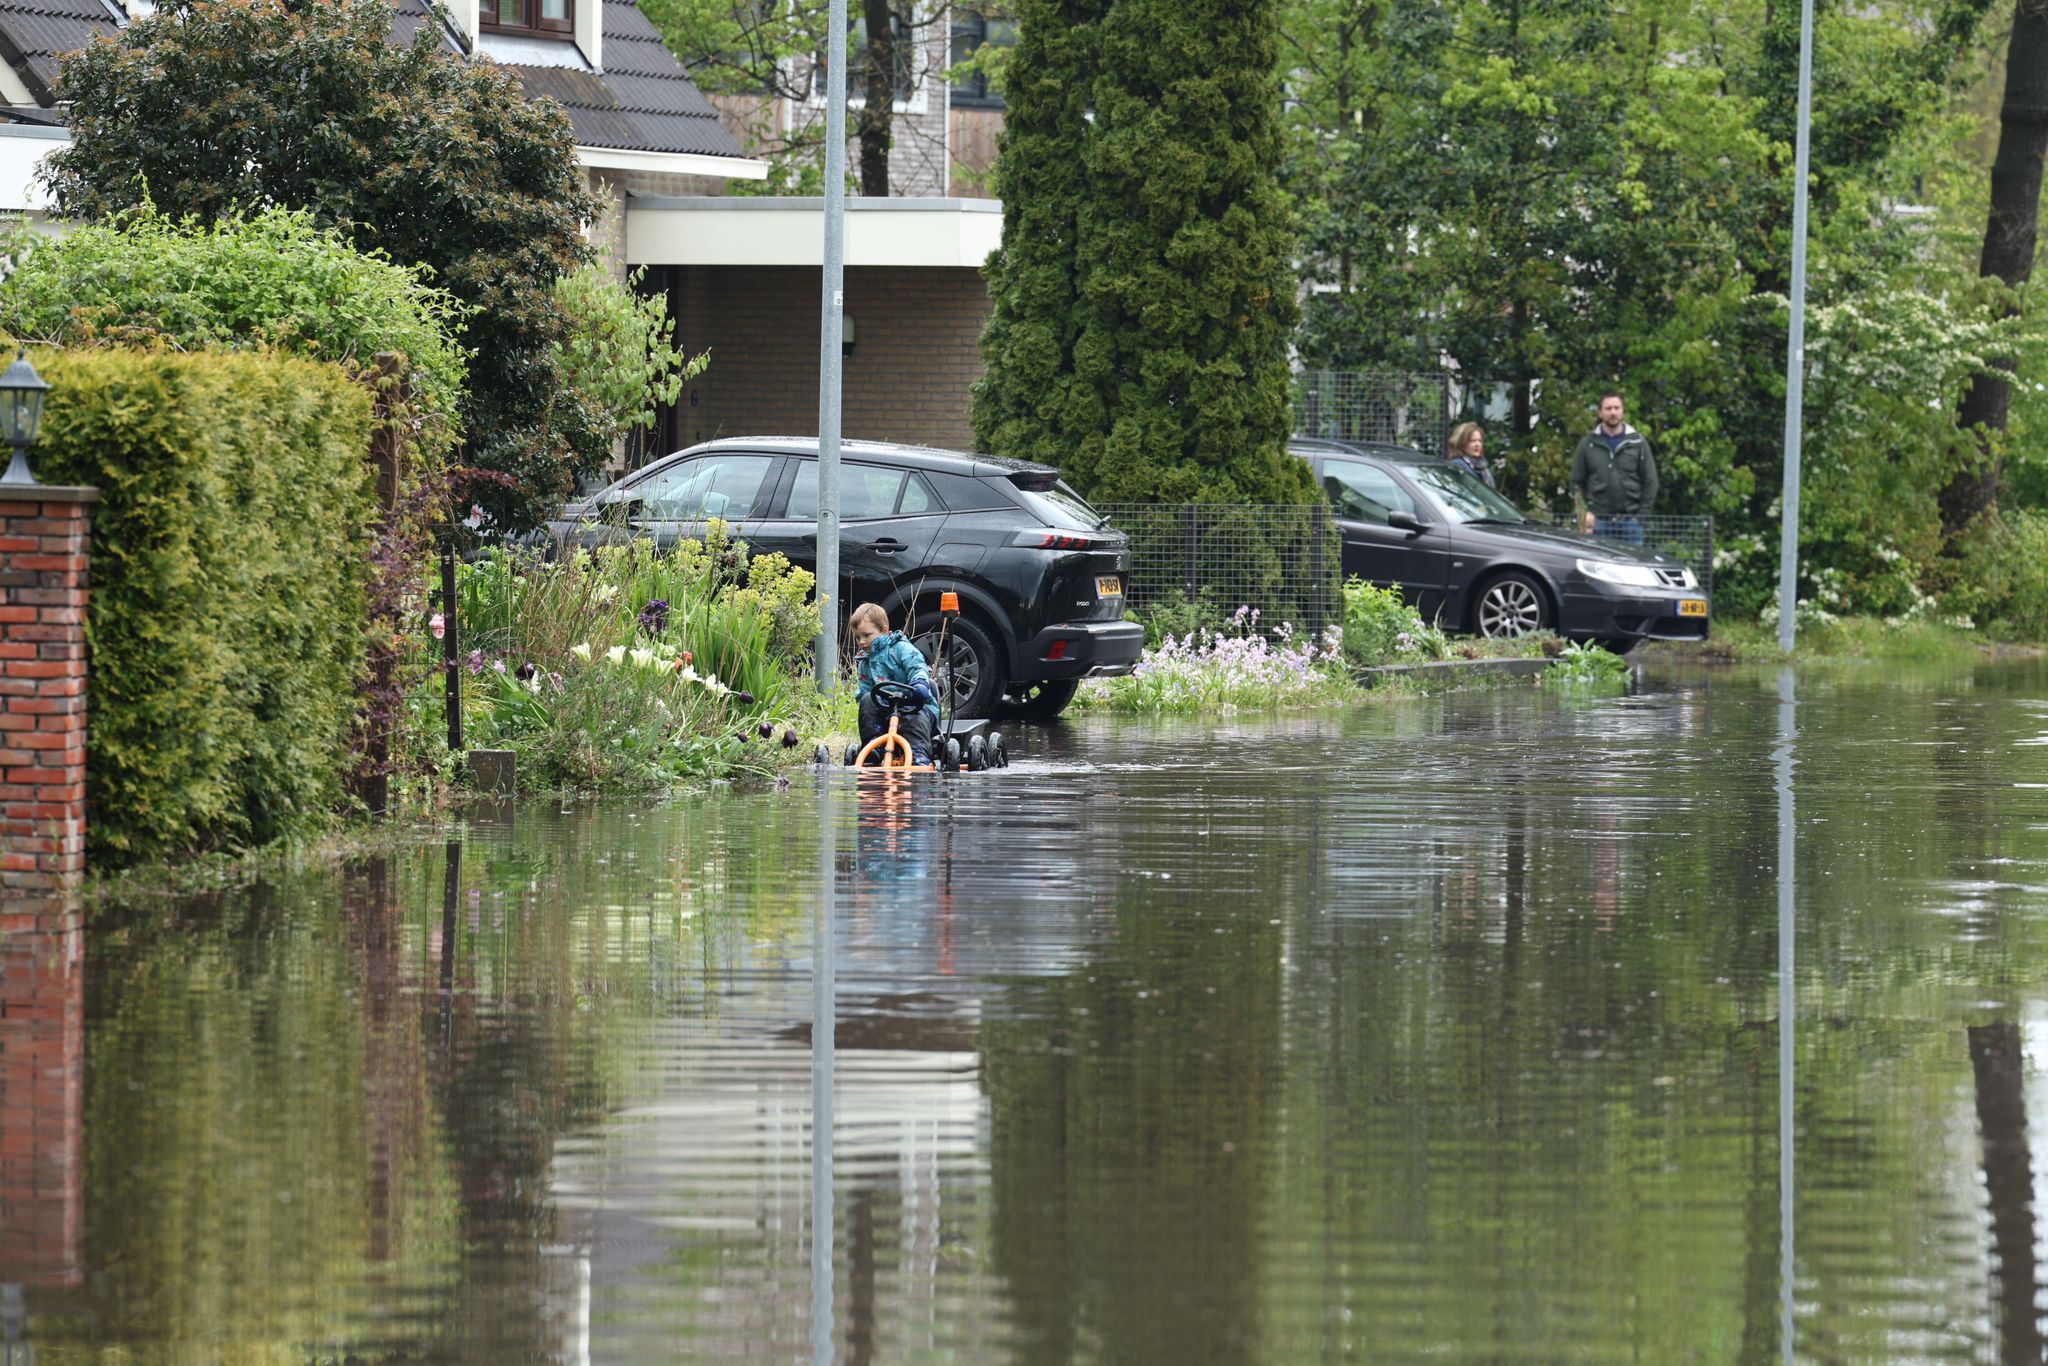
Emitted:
<point x="1176" y="614"/>
<point x="2004" y="581"/>
<point x="617" y="353"/>
<point x="228" y="561"/>
<point x="1586" y="665"/>
<point x="270" y="281"/>
<point x="1380" y="628"/>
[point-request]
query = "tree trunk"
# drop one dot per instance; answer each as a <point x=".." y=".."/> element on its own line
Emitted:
<point x="2008" y="247"/>
<point x="879" y="98"/>
<point x="1996" y="1059"/>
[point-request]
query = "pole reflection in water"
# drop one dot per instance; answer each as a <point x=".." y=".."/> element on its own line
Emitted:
<point x="824" y="1012"/>
<point x="1998" y="1065"/>
<point x="1788" y="1006"/>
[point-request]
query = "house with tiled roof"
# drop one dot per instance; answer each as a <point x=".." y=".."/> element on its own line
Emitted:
<point x="741" y="273"/>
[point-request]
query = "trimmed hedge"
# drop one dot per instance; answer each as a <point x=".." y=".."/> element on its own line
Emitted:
<point x="227" y="617"/>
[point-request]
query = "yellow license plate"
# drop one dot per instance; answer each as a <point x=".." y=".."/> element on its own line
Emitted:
<point x="1691" y="607"/>
<point x="1109" y="586"/>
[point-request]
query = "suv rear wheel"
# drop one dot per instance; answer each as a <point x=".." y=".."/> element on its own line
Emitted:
<point x="1041" y="701"/>
<point x="970" y="677"/>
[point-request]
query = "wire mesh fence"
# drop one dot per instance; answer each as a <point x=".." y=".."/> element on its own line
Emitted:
<point x="1687" y="539"/>
<point x="1374" y="405"/>
<point x="1202" y="561"/>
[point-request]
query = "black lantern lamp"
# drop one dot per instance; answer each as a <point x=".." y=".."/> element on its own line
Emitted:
<point x="21" y="412"/>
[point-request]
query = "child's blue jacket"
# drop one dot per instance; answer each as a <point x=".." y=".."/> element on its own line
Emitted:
<point x="893" y="657"/>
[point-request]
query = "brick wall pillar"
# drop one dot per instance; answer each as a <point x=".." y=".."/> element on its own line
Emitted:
<point x="44" y="534"/>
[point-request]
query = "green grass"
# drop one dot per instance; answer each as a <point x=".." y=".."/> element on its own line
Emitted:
<point x="1847" y="638"/>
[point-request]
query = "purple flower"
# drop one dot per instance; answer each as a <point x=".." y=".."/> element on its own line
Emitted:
<point x="525" y="672"/>
<point x="744" y="698"/>
<point x="654" y="616"/>
<point x="475" y="662"/>
<point x="789" y="739"/>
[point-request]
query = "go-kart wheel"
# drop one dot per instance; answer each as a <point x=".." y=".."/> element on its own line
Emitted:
<point x="951" y="752"/>
<point x="977" y="754"/>
<point x="820" y="755"/>
<point x="998" y="751"/>
<point x="852" y="752"/>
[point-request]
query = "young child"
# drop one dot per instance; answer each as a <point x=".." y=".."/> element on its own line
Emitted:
<point x="884" y="654"/>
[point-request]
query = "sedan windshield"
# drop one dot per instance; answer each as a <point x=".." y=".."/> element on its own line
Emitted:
<point x="1462" y="497"/>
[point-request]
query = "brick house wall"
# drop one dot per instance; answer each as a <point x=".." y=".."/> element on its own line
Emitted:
<point x="915" y="358"/>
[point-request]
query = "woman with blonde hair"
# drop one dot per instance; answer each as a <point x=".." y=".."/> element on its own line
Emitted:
<point x="1468" y="451"/>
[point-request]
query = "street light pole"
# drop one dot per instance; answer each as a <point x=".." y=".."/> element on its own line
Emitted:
<point x="829" y="357"/>
<point x="1795" y="348"/>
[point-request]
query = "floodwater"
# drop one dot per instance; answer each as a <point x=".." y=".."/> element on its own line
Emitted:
<point x="1447" y="1028"/>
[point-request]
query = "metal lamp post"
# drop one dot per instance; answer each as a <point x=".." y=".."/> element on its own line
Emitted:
<point x="21" y="413"/>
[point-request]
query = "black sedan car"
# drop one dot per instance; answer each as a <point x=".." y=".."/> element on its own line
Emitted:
<point x="1040" y="574"/>
<point x="1467" y="557"/>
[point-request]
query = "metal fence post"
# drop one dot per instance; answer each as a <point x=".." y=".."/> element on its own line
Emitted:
<point x="451" y="647"/>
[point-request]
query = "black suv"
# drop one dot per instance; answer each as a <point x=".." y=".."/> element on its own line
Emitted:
<point x="1467" y="557"/>
<point x="1040" y="574"/>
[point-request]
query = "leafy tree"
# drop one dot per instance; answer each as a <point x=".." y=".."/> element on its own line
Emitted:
<point x="1557" y="199"/>
<point x="619" y="353"/>
<point x="2008" y="255"/>
<point x="211" y="107"/>
<point x="1144" y="294"/>
<point x="745" y="49"/>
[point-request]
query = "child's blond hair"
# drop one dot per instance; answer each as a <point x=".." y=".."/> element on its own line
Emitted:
<point x="871" y="613"/>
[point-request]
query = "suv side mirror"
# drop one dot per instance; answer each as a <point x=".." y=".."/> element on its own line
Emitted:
<point x="1407" y="521"/>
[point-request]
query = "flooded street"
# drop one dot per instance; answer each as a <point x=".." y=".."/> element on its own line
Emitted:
<point x="1445" y="1028"/>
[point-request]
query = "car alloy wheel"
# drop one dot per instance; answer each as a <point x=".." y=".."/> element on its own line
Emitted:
<point x="966" y="678"/>
<point x="1512" y="605"/>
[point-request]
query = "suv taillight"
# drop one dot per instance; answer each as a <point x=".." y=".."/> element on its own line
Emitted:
<point x="1052" y="540"/>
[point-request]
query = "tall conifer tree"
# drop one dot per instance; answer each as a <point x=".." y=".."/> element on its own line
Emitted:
<point x="1145" y="292"/>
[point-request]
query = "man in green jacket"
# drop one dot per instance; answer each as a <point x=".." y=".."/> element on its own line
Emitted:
<point x="1614" y="474"/>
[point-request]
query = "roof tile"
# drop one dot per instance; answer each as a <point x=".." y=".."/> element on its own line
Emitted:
<point x="643" y="101"/>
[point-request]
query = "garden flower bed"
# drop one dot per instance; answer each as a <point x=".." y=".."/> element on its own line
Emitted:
<point x="620" y="669"/>
<point x="1233" y="664"/>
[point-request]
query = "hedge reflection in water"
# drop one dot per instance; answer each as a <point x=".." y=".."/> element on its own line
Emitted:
<point x="1448" y="1027"/>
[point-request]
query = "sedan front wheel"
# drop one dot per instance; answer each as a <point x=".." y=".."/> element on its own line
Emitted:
<point x="1511" y="605"/>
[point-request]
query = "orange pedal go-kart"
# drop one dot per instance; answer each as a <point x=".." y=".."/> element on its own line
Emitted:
<point x="961" y="746"/>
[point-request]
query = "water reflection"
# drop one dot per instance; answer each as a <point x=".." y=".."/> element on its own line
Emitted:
<point x="42" y="1087"/>
<point x="824" y="1121"/>
<point x="1788" y="1009"/>
<point x="1443" y="1029"/>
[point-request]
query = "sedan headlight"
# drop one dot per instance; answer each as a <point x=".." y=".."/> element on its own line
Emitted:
<point x="1623" y="572"/>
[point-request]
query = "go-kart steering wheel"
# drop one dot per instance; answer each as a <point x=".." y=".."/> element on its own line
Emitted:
<point x="890" y="693"/>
